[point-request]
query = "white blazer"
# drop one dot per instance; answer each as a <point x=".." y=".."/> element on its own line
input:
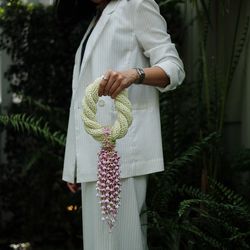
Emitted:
<point x="128" y="34"/>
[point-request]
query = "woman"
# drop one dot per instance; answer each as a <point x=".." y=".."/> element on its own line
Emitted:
<point x="127" y="43"/>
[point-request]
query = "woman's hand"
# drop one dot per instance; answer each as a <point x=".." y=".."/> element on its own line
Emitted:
<point x="116" y="81"/>
<point x="73" y="187"/>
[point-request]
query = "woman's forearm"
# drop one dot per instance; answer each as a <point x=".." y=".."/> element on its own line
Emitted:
<point x="114" y="82"/>
<point x="156" y="76"/>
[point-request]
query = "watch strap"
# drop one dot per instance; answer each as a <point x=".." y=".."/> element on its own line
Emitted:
<point x="141" y="74"/>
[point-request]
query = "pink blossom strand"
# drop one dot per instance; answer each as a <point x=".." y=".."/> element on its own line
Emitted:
<point x="108" y="185"/>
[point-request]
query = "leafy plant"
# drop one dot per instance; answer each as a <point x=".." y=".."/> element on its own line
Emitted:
<point x="29" y="124"/>
<point x="203" y="213"/>
<point x="34" y="200"/>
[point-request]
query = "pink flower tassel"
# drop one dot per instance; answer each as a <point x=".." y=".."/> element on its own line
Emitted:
<point x="108" y="185"/>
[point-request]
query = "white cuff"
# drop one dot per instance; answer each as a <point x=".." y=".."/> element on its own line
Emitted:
<point x="175" y="73"/>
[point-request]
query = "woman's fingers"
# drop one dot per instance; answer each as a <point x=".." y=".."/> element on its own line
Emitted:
<point x="103" y="83"/>
<point x="117" y="92"/>
<point x="73" y="187"/>
<point x="114" y="82"/>
<point x="114" y="87"/>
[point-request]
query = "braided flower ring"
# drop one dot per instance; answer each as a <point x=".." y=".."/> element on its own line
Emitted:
<point x="122" y="106"/>
<point x="108" y="185"/>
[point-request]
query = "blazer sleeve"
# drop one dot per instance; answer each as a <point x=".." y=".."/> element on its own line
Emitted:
<point x="151" y="32"/>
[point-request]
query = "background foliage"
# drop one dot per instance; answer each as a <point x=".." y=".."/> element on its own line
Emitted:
<point x="34" y="199"/>
<point x="190" y="206"/>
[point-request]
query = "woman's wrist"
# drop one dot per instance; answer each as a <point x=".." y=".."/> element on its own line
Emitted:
<point x="140" y="75"/>
<point x="135" y="75"/>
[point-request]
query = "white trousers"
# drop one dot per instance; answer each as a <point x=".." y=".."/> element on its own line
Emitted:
<point x="130" y="230"/>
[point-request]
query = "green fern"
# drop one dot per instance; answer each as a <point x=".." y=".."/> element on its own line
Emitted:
<point x="214" y="216"/>
<point x="220" y="208"/>
<point x="241" y="236"/>
<point x="233" y="231"/>
<point x="166" y="185"/>
<point x="237" y="49"/>
<point x="203" y="237"/>
<point x="224" y="194"/>
<point x="194" y="193"/>
<point x="173" y="168"/>
<point x="33" y="125"/>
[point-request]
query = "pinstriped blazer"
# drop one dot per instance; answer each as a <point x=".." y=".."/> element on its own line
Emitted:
<point x="128" y="34"/>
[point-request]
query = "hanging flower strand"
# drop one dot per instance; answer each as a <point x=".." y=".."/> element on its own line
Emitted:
<point x="108" y="184"/>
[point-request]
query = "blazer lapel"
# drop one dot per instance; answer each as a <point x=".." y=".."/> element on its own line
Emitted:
<point x="103" y="20"/>
<point x="78" y="52"/>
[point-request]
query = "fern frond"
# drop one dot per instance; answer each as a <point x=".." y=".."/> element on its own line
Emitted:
<point x="219" y="208"/>
<point x="219" y="221"/>
<point x="217" y="215"/>
<point x="241" y="236"/>
<point x="225" y="194"/>
<point x="33" y="125"/>
<point x="238" y="50"/>
<point x="187" y="227"/>
<point x="174" y="167"/>
<point x="234" y="231"/>
<point x="194" y="193"/>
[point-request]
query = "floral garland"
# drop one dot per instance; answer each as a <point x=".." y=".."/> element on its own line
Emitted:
<point x="108" y="184"/>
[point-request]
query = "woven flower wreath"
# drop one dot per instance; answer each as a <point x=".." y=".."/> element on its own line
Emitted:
<point x="108" y="184"/>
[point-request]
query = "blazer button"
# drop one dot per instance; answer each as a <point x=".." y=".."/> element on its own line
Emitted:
<point x="101" y="103"/>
